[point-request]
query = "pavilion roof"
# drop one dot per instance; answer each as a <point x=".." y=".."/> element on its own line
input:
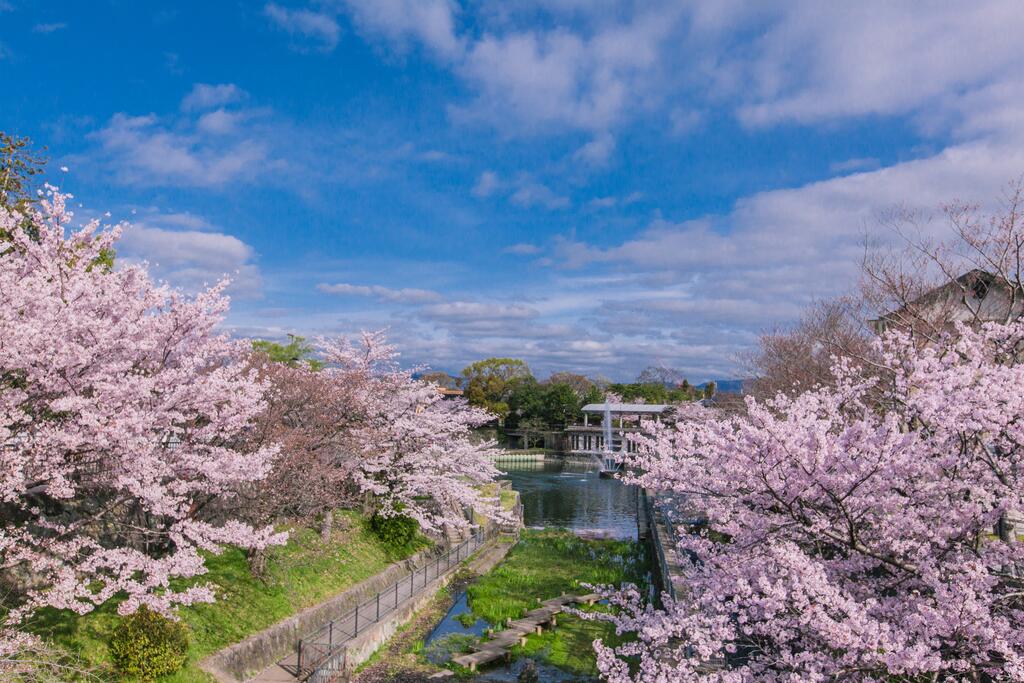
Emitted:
<point x="650" y="408"/>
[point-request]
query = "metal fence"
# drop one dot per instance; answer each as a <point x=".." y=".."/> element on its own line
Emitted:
<point x="321" y="655"/>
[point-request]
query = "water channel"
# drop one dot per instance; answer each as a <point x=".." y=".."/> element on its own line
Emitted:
<point x="567" y="494"/>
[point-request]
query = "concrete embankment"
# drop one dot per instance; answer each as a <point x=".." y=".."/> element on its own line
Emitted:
<point x="270" y="655"/>
<point x="264" y="649"/>
<point x="656" y="527"/>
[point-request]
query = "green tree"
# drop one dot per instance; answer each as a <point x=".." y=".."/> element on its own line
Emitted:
<point x="709" y="389"/>
<point x="561" y="405"/>
<point x="648" y="392"/>
<point x="593" y="395"/>
<point x="19" y="164"/>
<point x="489" y="383"/>
<point x="525" y="401"/>
<point x="297" y="351"/>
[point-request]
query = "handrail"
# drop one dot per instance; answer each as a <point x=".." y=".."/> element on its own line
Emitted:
<point x="321" y="654"/>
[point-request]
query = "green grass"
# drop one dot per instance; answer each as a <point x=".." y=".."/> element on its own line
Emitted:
<point x="543" y="565"/>
<point x="300" y="574"/>
<point x="508" y="499"/>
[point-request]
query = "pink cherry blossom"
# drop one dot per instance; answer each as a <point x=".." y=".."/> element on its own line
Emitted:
<point x="851" y="531"/>
<point x="418" y="455"/>
<point x="99" y="371"/>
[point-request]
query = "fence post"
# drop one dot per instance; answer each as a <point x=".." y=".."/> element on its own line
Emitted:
<point x="357" y="621"/>
<point x="396" y="594"/>
<point x="330" y="635"/>
<point x="378" y="606"/>
<point x="299" y="657"/>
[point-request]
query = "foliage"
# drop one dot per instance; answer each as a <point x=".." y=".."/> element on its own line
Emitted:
<point x="562" y="405"/>
<point x="297" y="352"/>
<point x="19" y="165"/>
<point x="548" y="405"/>
<point x="488" y="383"/>
<point x="302" y="573"/>
<point x="860" y="527"/>
<point x="709" y="389"/>
<point x="652" y="393"/>
<point x="98" y="370"/>
<point x="146" y="645"/>
<point x="395" y="531"/>
<point x="311" y="416"/>
<point x="417" y="453"/>
<point x="37" y="662"/>
<point x="544" y="564"/>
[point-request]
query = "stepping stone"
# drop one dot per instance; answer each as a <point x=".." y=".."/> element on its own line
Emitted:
<point x="589" y="598"/>
<point x="474" y="659"/>
<point x="527" y="626"/>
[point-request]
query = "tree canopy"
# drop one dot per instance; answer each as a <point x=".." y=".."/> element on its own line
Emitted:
<point x="488" y="383"/>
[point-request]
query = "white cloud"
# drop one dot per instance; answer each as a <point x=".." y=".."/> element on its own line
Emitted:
<point x="487" y="184"/>
<point x="142" y="151"/>
<point x="403" y="296"/>
<point x="853" y="165"/>
<point x="522" y="249"/>
<point x="319" y="27"/>
<point x="205" y="96"/>
<point x="220" y="122"/>
<point x="431" y="22"/>
<point x="531" y="194"/>
<point x="684" y="121"/>
<point x="597" y="151"/>
<point x="875" y="57"/>
<point x="190" y="258"/>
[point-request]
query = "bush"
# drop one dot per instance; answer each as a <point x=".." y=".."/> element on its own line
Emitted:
<point x="396" y="532"/>
<point x="146" y="645"/>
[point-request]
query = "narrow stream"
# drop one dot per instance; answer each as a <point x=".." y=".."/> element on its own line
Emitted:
<point x="565" y="494"/>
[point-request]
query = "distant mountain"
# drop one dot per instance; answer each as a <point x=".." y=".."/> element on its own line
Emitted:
<point x="732" y="386"/>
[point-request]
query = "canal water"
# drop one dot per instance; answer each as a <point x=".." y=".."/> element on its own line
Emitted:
<point x="567" y="494"/>
<point x="571" y="494"/>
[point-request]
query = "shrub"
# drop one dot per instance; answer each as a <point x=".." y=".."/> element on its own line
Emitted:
<point x="396" y="532"/>
<point x="146" y="645"/>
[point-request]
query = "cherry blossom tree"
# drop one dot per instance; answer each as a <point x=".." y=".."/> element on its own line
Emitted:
<point x="121" y="409"/>
<point x="854" y="531"/>
<point x="309" y="416"/>
<point x="418" y="456"/>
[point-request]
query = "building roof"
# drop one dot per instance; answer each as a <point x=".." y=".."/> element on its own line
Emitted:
<point x="975" y="296"/>
<point x="626" y="407"/>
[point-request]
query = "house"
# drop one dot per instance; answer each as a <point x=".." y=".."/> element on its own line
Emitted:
<point x="975" y="297"/>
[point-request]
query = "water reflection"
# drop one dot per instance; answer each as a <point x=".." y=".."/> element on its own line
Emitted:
<point x="570" y="494"/>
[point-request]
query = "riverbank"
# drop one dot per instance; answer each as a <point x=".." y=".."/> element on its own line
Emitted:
<point x="304" y="572"/>
<point x="545" y="564"/>
<point x="401" y="660"/>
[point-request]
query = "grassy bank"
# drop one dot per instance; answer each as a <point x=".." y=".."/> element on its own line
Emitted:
<point x="543" y="565"/>
<point x="300" y="574"/>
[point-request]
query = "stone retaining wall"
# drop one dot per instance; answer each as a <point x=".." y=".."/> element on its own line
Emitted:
<point x="262" y="649"/>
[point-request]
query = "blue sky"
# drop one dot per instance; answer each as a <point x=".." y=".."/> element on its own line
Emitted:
<point x="591" y="185"/>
